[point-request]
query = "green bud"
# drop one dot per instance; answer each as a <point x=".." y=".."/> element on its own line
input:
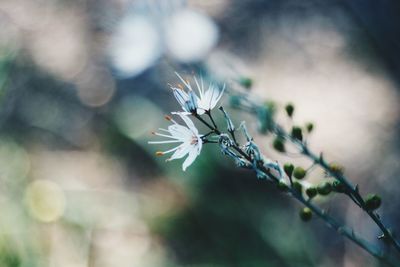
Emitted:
<point x="246" y="82"/>
<point x="289" y="109"/>
<point x="288" y="168"/>
<point x="338" y="187"/>
<point x="297" y="187"/>
<point x="309" y="127"/>
<point x="305" y="214"/>
<point x="324" y="188"/>
<point x="336" y="168"/>
<point x="279" y="144"/>
<point x="311" y="192"/>
<point x="282" y="186"/>
<point x="299" y="173"/>
<point x="297" y="133"/>
<point x="372" y="202"/>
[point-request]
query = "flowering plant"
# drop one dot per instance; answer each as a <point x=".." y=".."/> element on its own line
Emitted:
<point x="287" y="178"/>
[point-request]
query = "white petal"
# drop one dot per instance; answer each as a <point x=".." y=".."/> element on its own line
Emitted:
<point x="187" y="84"/>
<point x="181" y="96"/>
<point x="164" y="142"/>
<point x="181" y="151"/>
<point x="189" y="123"/>
<point x="180" y="132"/>
<point x="218" y="97"/>
<point x="198" y="87"/>
<point x="164" y="135"/>
<point x="193" y="153"/>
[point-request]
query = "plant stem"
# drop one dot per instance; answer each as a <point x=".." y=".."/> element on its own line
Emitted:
<point x="353" y="192"/>
<point x="329" y="220"/>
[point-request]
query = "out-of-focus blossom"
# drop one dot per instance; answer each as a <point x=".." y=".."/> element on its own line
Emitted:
<point x="187" y="135"/>
<point x="190" y="35"/>
<point x="190" y="102"/>
<point x="151" y="30"/>
<point x="136" y="45"/>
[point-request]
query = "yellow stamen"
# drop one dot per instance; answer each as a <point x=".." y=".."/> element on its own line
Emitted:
<point x="159" y="153"/>
<point x="168" y="118"/>
<point x="180" y="86"/>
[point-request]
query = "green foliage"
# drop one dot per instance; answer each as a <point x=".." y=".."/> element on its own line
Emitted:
<point x="297" y="133"/>
<point x="297" y="187"/>
<point x="373" y="202"/>
<point x="311" y="192"/>
<point x="309" y="127"/>
<point x="336" y="168"/>
<point x="324" y="188"/>
<point x="288" y="168"/>
<point x="282" y="186"/>
<point x="299" y="173"/>
<point x="279" y="144"/>
<point x="289" y="109"/>
<point x="338" y="187"/>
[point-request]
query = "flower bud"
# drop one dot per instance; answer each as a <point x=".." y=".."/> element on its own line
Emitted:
<point x="246" y="82"/>
<point x="336" y="168"/>
<point x="282" y="186"/>
<point x="311" y="192"/>
<point x="299" y="173"/>
<point x="288" y="168"/>
<point x="324" y="188"/>
<point x="305" y="214"/>
<point x="297" y="133"/>
<point x="289" y="109"/>
<point x="279" y="144"/>
<point x="338" y="187"/>
<point x="230" y="125"/>
<point x="309" y="127"/>
<point x="372" y="202"/>
<point x="297" y="187"/>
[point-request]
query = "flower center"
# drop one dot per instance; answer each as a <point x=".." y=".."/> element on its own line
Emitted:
<point x="194" y="140"/>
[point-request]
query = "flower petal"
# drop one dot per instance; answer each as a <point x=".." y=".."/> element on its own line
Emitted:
<point x="189" y="123"/>
<point x="193" y="153"/>
<point x="181" y="151"/>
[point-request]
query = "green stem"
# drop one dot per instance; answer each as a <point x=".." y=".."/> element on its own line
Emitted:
<point x="329" y="220"/>
<point x="354" y="194"/>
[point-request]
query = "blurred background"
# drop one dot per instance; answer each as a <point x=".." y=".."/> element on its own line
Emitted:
<point x="84" y="82"/>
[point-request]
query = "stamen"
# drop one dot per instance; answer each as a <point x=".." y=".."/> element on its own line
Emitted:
<point x="180" y="86"/>
<point x="168" y="118"/>
<point x="159" y="153"/>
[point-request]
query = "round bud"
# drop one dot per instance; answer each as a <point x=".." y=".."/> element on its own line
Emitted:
<point x="297" y="133"/>
<point x="324" y="188"/>
<point x="309" y="127"/>
<point x="282" y="186"/>
<point x="372" y="202"/>
<point x="289" y="109"/>
<point x="311" y="192"/>
<point x="305" y="214"/>
<point x="246" y="82"/>
<point x="297" y="187"/>
<point x="279" y="144"/>
<point x="288" y="168"/>
<point x="338" y="187"/>
<point x="299" y="173"/>
<point x="336" y="168"/>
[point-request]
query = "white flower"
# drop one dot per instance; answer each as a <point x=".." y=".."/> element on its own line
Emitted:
<point x="204" y="102"/>
<point x="188" y="136"/>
